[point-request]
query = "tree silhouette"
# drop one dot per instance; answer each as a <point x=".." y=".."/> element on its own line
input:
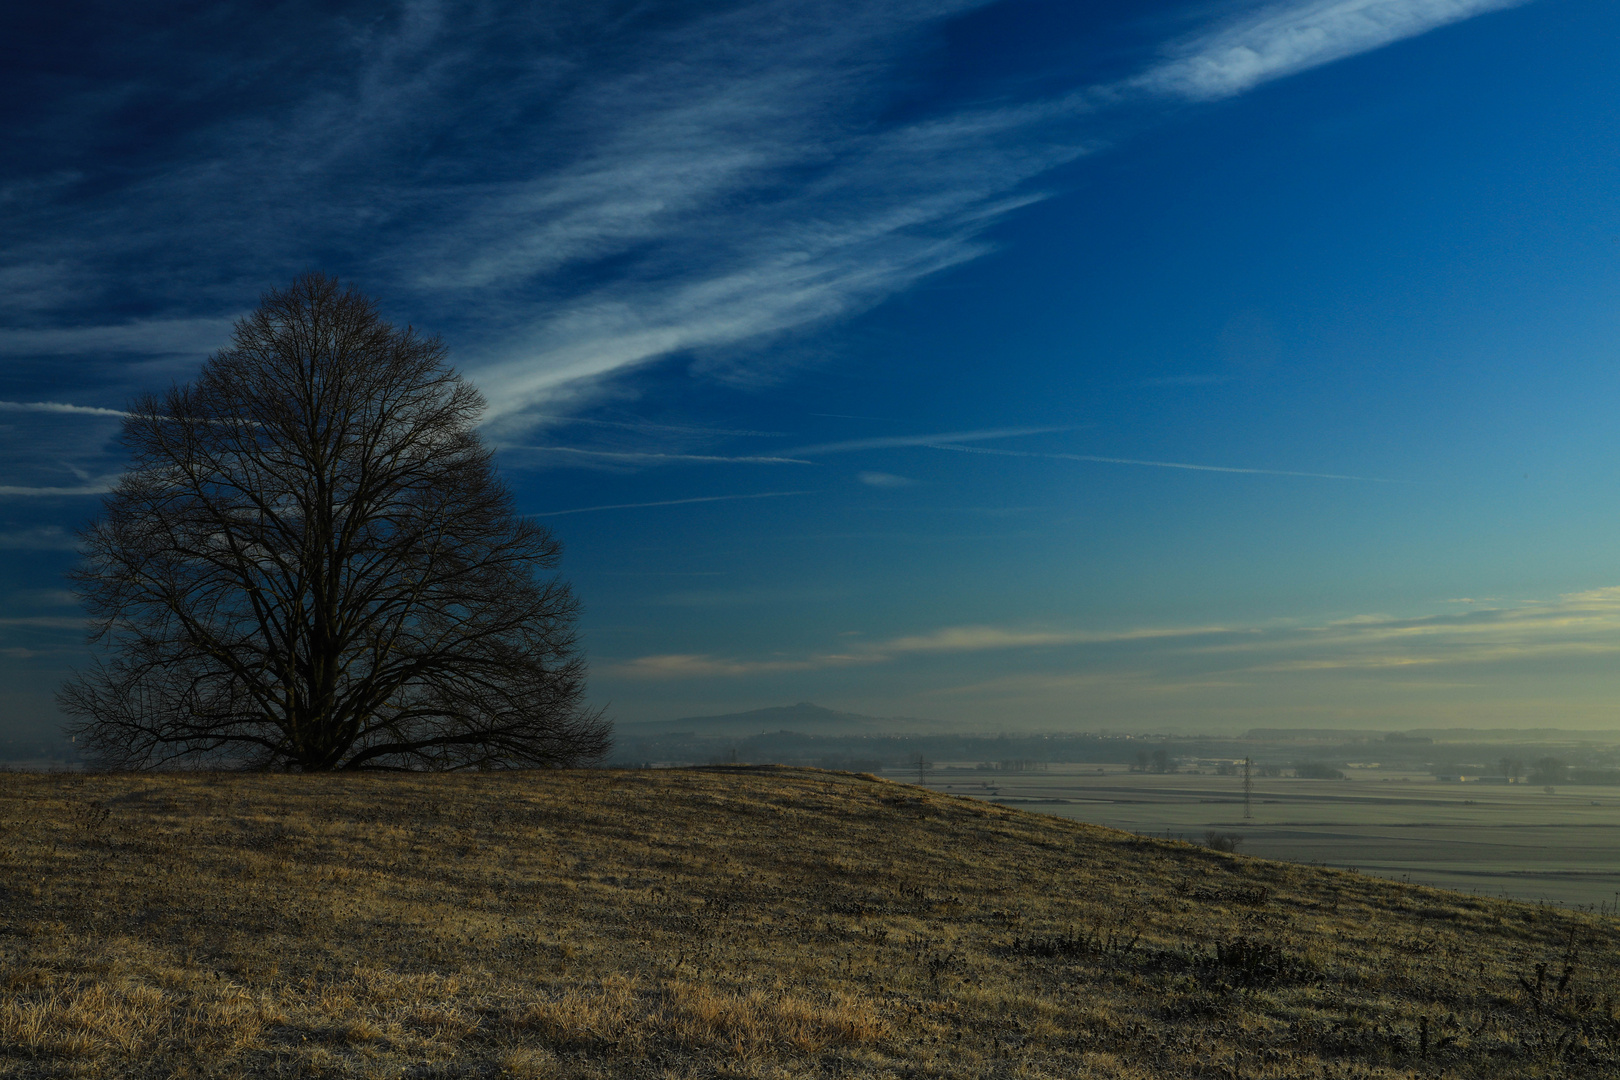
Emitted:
<point x="311" y="564"/>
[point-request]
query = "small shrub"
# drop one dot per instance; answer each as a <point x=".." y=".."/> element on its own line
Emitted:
<point x="1256" y="964"/>
<point x="1096" y="944"/>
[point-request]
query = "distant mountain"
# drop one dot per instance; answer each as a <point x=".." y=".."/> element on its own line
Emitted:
<point x="805" y="718"/>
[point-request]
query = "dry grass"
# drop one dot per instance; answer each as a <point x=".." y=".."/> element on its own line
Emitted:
<point x="734" y="922"/>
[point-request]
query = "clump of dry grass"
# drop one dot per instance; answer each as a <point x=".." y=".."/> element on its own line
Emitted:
<point x="734" y="922"/>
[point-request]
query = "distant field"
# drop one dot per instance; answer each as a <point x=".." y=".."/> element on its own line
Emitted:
<point x="1497" y="840"/>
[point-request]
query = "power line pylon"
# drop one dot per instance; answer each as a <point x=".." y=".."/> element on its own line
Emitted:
<point x="1248" y="789"/>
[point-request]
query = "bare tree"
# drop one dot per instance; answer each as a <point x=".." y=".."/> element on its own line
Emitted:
<point x="312" y="565"/>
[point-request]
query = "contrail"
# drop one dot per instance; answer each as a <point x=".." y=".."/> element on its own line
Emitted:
<point x="884" y="442"/>
<point x="644" y="456"/>
<point x="647" y="425"/>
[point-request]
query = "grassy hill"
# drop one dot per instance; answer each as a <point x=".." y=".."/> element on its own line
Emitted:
<point x="734" y="922"/>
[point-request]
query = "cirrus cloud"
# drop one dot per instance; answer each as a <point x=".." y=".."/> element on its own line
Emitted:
<point x="1283" y="39"/>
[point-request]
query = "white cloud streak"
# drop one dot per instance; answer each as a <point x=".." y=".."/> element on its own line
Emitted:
<point x="45" y="622"/>
<point x="649" y="456"/>
<point x="57" y="407"/>
<point x="1576" y="627"/>
<point x="981" y="638"/>
<point x="648" y="426"/>
<point x="158" y="337"/>
<point x="1284" y="39"/>
<point x="888" y="207"/>
<point x="666" y="185"/>
<point x="946" y="641"/>
<point x="98" y="487"/>
<point x="743" y="161"/>
<point x="700" y="666"/>
<point x="1156" y="464"/>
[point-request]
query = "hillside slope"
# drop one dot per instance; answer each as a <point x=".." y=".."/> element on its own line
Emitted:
<point x="734" y="922"/>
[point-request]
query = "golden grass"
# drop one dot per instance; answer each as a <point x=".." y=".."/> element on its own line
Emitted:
<point x="739" y="923"/>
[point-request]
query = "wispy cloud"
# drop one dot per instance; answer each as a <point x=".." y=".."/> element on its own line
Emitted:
<point x="889" y="441"/>
<point x="1155" y="464"/>
<point x="653" y="457"/>
<point x="1577" y="626"/>
<point x="975" y="639"/>
<point x="98" y="487"/>
<point x="151" y="337"/>
<point x="982" y="638"/>
<point x="923" y="193"/>
<point x="1580" y="624"/>
<point x="44" y="622"/>
<point x="700" y="666"/>
<point x="739" y="167"/>
<point x="670" y="502"/>
<point x="648" y="426"/>
<point x="57" y="407"/>
<point x="620" y="188"/>
<point x="1283" y="39"/>
<point x="948" y="640"/>
<point x="43" y="538"/>
<point x="46" y="598"/>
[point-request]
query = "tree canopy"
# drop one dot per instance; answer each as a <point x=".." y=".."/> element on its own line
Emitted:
<point x="311" y="564"/>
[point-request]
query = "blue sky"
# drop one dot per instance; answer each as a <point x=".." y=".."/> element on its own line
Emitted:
<point x="1166" y="366"/>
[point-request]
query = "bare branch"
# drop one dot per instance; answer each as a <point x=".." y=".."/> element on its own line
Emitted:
<point x="312" y="565"/>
